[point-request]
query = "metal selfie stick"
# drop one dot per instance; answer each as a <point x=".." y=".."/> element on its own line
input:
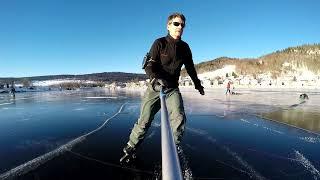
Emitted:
<point x="171" y="169"/>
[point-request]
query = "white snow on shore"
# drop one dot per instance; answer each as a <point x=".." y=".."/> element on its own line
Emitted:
<point x="58" y="81"/>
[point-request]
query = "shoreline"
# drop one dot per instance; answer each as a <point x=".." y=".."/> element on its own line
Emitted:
<point x="238" y="88"/>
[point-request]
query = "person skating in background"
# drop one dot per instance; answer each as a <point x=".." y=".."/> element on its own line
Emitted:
<point x="13" y="90"/>
<point x="228" y="88"/>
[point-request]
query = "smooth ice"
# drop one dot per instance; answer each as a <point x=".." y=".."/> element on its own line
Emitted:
<point x="227" y="136"/>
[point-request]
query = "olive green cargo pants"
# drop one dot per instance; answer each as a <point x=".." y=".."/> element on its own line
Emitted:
<point x="150" y="106"/>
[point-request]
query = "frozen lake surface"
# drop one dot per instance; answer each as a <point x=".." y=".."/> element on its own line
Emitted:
<point x="44" y="135"/>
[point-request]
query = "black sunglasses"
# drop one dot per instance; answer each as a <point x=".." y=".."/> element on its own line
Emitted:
<point x="177" y="24"/>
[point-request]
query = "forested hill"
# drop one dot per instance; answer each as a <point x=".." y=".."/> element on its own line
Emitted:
<point x="103" y="77"/>
<point x="305" y="56"/>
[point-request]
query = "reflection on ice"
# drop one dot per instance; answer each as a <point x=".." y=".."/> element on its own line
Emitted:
<point x="298" y="117"/>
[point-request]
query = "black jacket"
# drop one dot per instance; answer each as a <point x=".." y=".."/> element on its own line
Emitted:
<point x="167" y="57"/>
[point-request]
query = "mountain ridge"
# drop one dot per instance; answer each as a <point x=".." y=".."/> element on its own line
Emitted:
<point x="104" y="77"/>
<point x="277" y="63"/>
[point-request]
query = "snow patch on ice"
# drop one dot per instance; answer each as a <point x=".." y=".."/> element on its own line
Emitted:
<point x="197" y="131"/>
<point x="101" y="97"/>
<point x="253" y="172"/>
<point x="186" y="170"/>
<point x="310" y="139"/>
<point x="79" y="109"/>
<point x="5" y="104"/>
<point x="264" y="127"/>
<point x="244" y="120"/>
<point x="307" y="164"/>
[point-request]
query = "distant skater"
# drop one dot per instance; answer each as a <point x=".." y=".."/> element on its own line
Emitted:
<point x="163" y="66"/>
<point x="228" y="88"/>
<point x="303" y="96"/>
<point x="13" y="92"/>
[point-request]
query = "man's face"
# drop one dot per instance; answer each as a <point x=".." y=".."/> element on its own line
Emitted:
<point x="175" y="27"/>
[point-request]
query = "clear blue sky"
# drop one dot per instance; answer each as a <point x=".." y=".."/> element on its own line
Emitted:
<point x="48" y="37"/>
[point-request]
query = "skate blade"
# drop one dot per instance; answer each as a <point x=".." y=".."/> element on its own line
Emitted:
<point x="126" y="159"/>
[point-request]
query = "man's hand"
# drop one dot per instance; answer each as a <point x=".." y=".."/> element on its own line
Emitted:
<point x="163" y="83"/>
<point x="200" y="89"/>
<point x="157" y="83"/>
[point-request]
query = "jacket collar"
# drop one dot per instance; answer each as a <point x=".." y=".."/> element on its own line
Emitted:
<point x="171" y="40"/>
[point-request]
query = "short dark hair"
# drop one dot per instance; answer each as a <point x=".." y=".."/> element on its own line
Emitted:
<point x="174" y="15"/>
